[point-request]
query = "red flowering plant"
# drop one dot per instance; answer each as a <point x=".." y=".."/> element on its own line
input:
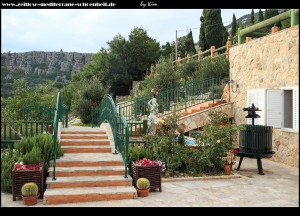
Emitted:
<point x="21" y="166"/>
<point x="147" y="162"/>
<point x="231" y="156"/>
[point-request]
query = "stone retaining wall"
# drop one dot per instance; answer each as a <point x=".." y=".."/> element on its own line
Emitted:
<point x="267" y="62"/>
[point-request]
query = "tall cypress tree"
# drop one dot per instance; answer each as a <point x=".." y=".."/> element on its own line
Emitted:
<point x="214" y="30"/>
<point x="252" y="17"/>
<point x="233" y="26"/>
<point x="260" y="16"/>
<point x="189" y="43"/>
<point x="202" y="40"/>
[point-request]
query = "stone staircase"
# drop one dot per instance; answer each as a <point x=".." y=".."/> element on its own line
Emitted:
<point x="199" y="107"/>
<point x="197" y="116"/>
<point x="88" y="171"/>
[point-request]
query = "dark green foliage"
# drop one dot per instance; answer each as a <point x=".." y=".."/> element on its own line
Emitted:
<point x="189" y="43"/>
<point x="143" y="50"/>
<point x="36" y="149"/>
<point x="214" y="30"/>
<point x="89" y="94"/>
<point x="168" y="50"/>
<point x="269" y="13"/>
<point x="202" y="39"/>
<point x="7" y="161"/>
<point x="260" y="15"/>
<point x="252" y="17"/>
<point x="216" y="140"/>
<point x="215" y="67"/>
<point x="233" y="26"/>
<point x="165" y="75"/>
<point x="30" y="150"/>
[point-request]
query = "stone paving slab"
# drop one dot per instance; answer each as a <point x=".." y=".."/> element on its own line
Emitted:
<point x="279" y="187"/>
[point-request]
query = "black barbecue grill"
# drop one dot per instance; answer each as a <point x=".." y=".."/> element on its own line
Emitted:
<point x="255" y="141"/>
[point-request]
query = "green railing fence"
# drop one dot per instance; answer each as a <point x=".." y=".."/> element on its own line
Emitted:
<point x="57" y="116"/>
<point x="107" y="112"/>
<point x="173" y="99"/>
<point x="13" y="131"/>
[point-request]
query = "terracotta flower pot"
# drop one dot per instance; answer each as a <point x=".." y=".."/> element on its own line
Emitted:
<point x="143" y="192"/>
<point x="227" y="169"/>
<point x="30" y="200"/>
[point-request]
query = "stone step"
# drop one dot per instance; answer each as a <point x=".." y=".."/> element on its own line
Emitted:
<point x="83" y="132"/>
<point x="70" y="142"/>
<point x="87" y="171"/>
<point x="88" y="181"/>
<point x="86" y="137"/>
<point x="86" y="149"/>
<point x="99" y="159"/>
<point x="88" y="194"/>
<point x="88" y="163"/>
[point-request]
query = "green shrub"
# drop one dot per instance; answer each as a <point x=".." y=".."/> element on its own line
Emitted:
<point x="36" y="149"/>
<point x="89" y="94"/>
<point x="7" y="161"/>
<point x="215" y="140"/>
<point x="30" y="150"/>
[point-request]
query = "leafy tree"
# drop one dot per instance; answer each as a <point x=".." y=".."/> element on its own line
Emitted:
<point x="168" y="50"/>
<point x="118" y="77"/>
<point x="142" y="51"/>
<point x="88" y="94"/>
<point x="181" y="49"/>
<point x="252" y="17"/>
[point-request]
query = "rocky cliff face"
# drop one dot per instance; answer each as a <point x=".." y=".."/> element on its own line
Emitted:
<point x="36" y="67"/>
<point x="45" y="62"/>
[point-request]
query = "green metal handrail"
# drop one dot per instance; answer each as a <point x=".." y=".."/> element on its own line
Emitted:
<point x="57" y="117"/>
<point x="173" y="99"/>
<point x="107" y="113"/>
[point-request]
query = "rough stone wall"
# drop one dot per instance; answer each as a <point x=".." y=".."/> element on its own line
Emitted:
<point x="267" y="62"/>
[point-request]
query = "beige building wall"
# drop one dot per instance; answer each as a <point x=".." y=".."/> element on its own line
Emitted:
<point x="265" y="63"/>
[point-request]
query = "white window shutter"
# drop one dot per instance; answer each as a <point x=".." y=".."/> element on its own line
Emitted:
<point x="261" y="104"/>
<point x="274" y="108"/>
<point x="258" y="98"/>
<point x="296" y="108"/>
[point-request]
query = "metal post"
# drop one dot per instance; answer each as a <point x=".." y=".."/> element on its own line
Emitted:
<point x="241" y="39"/>
<point x="213" y="91"/>
<point x="176" y="47"/>
<point x="294" y="17"/>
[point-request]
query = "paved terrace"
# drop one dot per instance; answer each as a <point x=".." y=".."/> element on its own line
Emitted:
<point x="279" y="187"/>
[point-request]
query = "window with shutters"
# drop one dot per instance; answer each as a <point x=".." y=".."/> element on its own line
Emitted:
<point x="279" y="107"/>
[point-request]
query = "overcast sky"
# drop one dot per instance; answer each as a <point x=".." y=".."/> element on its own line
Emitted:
<point x="88" y="30"/>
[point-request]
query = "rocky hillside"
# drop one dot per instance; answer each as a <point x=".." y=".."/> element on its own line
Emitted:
<point x="37" y="67"/>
